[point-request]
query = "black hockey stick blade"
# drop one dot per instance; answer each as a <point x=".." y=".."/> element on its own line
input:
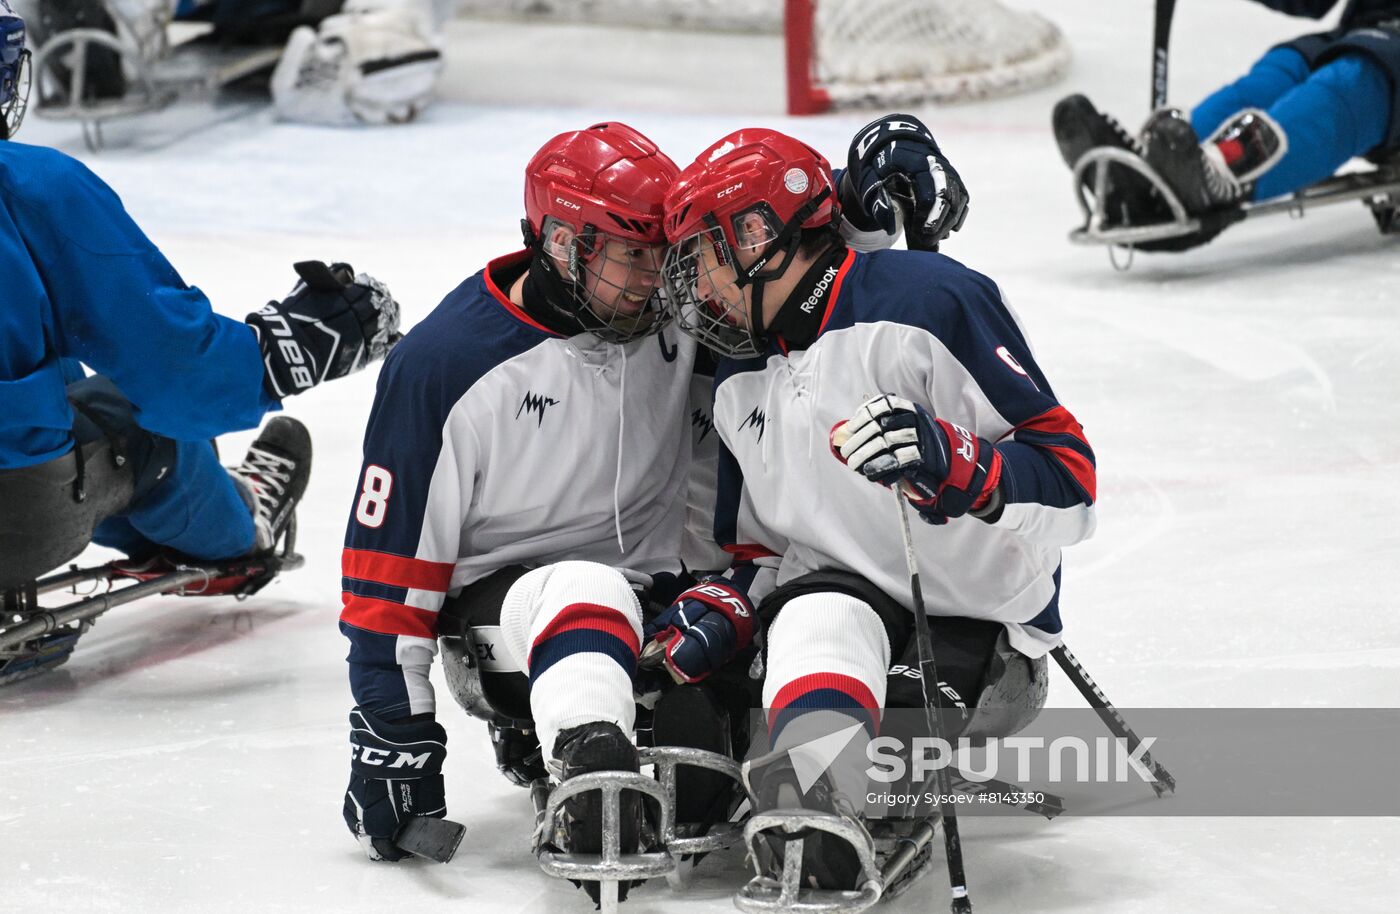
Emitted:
<point x="436" y="839"/>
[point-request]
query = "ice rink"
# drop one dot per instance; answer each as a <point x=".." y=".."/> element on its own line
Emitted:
<point x="1241" y="399"/>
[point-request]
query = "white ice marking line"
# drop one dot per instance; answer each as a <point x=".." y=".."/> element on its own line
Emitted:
<point x="1239" y="349"/>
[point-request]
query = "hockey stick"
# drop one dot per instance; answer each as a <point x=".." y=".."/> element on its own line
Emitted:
<point x="952" y="843"/>
<point x="1115" y="722"/>
<point x="1161" y="39"/>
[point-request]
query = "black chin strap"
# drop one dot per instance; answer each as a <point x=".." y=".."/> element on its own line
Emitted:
<point x="549" y="297"/>
<point x="786" y="242"/>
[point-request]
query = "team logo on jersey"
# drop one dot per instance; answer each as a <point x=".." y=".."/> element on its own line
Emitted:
<point x="536" y="404"/>
<point x="667" y="352"/>
<point x="701" y="420"/>
<point x="755" y="419"/>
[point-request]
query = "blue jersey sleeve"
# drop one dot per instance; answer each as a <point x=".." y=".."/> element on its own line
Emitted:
<point x="120" y="307"/>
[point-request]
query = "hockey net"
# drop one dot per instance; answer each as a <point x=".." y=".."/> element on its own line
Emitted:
<point x="843" y="53"/>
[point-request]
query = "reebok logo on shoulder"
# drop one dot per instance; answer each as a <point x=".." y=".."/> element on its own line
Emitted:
<point x="536" y="404"/>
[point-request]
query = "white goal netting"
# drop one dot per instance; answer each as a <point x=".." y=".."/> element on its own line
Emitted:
<point x="848" y="52"/>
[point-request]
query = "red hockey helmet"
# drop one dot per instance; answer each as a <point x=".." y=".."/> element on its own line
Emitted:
<point x="752" y="192"/>
<point x="608" y="176"/>
<point x="605" y="183"/>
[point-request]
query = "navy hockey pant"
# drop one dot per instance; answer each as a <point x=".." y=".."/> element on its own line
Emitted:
<point x="1330" y="115"/>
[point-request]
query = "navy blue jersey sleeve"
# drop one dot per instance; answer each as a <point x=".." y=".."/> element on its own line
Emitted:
<point x="402" y="539"/>
<point x="755" y="551"/>
<point x="120" y="307"/>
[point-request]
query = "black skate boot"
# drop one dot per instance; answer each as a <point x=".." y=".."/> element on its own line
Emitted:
<point x="1080" y="127"/>
<point x="828" y="861"/>
<point x="598" y="746"/>
<point x="273" y="476"/>
<point x="1174" y="150"/>
<point x="1202" y="182"/>
<point x="690" y="716"/>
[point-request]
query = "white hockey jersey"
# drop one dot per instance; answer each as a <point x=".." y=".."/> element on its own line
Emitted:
<point x="924" y="327"/>
<point x="495" y="441"/>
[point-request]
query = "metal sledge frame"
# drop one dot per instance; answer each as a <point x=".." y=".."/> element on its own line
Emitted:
<point x="611" y="866"/>
<point x="25" y="620"/>
<point x="155" y="81"/>
<point x="785" y="894"/>
<point x="1378" y="189"/>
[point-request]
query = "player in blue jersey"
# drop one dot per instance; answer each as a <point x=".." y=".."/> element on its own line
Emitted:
<point x="1302" y="111"/>
<point x="921" y="368"/>
<point x="124" y="458"/>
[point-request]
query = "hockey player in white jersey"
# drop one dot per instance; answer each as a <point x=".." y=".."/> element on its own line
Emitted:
<point x="928" y="376"/>
<point x="525" y="478"/>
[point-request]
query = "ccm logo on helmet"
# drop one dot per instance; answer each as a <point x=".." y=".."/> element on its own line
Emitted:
<point x="371" y="756"/>
<point x="562" y="202"/>
<point x="730" y="189"/>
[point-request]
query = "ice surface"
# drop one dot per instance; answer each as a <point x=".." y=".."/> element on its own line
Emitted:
<point x="1241" y="400"/>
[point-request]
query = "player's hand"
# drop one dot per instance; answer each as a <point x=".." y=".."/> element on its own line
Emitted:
<point x="332" y="324"/>
<point x="696" y="635"/>
<point x="945" y="470"/>
<point x="894" y="162"/>
<point x="518" y="754"/>
<point x="395" y="774"/>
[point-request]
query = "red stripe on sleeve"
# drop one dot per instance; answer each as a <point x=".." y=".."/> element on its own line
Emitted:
<point x="596" y="617"/>
<point x="396" y="570"/>
<point x="1059" y="421"/>
<point x="388" y="618"/>
<point x="747" y="552"/>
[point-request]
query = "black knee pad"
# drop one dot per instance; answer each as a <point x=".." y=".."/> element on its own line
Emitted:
<point x="1000" y="689"/>
<point x="480" y="673"/>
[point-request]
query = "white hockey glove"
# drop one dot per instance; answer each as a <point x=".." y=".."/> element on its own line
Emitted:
<point x="945" y="470"/>
<point x="366" y="65"/>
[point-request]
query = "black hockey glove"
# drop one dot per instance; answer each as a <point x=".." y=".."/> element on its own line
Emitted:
<point x="518" y="754"/>
<point x="334" y="323"/>
<point x="895" y="162"/>
<point x="945" y="470"/>
<point x="395" y="773"/>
